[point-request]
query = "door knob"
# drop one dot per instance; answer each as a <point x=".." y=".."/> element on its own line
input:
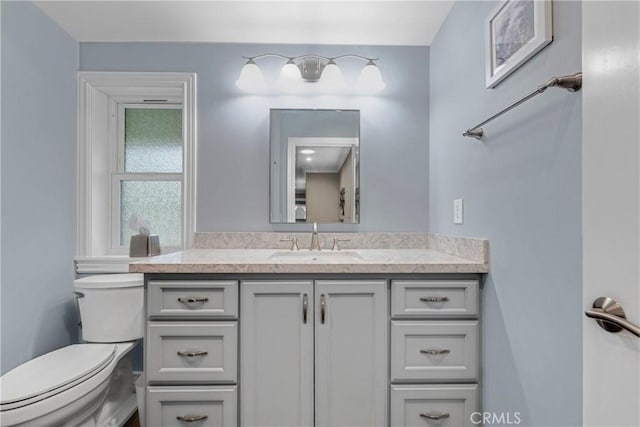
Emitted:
<point x="610" y="316"/>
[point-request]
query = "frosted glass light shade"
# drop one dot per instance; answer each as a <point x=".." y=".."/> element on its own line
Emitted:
<point x="370" y="80"/>
<point x="290" y="79"/>
<point x="251" y="78"/>
<point x="290" y="71"/>
<point x="332" y="79"/>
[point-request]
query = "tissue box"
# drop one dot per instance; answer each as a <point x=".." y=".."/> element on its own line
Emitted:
<point x="142" y="245"/>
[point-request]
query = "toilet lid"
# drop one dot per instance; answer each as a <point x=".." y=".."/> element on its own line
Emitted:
<point x="54" y="372"/>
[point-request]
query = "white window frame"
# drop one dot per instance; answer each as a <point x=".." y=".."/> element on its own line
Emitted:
<point x="99" y="97"/>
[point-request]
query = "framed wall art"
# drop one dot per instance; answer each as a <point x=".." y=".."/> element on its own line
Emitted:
<point x="515" y="31"/>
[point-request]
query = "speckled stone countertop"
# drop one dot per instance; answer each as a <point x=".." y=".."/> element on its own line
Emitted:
<point x="442" y="257"/>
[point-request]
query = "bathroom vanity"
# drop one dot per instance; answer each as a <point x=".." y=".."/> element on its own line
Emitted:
<point x="358" y="337"/>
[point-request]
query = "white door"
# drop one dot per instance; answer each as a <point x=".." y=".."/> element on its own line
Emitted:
<point x="277" y="354"/>
<point x="611" y="201"/>
<point x="351" y="353"/>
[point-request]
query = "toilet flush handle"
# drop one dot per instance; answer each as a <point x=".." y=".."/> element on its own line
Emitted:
<point x="78" y="295"/>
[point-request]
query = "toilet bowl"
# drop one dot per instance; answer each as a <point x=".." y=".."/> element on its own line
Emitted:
<point x="89" y="384"/>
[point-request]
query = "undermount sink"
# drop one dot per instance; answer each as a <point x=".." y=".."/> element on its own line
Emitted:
<point x="315" y="256"/>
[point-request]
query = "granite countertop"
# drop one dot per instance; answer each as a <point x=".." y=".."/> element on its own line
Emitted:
<point x="373" y="261"/>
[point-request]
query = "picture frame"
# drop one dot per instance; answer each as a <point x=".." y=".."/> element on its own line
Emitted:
<point x="515" y="31"/>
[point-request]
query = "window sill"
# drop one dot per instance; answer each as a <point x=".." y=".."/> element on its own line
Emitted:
<point x="106" y="264"/>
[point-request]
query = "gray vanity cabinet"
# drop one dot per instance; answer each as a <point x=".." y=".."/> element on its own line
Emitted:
<point x="341" y="326"/>
<point x="308" y="351"/>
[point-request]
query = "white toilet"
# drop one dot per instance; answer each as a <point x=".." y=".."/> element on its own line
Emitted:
<point x="90" y="384"/>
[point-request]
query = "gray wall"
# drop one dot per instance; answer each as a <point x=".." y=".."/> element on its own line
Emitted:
<point x="39" y="65"/>
<point x="233" y="129"/>
<point x="522" y="190"/>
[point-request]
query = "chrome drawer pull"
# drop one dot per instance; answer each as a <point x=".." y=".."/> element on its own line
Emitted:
<point x="435" y="417"/>
<point x="192" y="419"/>
<point x="192" y="300"/>
<point x="434" y="299"/>
<point x="192" y="353"/>
<point x="435" y="352"/>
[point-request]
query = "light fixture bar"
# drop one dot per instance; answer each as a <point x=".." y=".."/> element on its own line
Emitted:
<point x="311" y="68"/>
<point x="310" y="55"/>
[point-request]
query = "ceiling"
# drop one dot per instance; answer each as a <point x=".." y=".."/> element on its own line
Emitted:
<point x="347" y="22"/>
<point x="322" y="160"/>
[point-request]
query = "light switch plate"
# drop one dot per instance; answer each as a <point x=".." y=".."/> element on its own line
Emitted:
<point x="458" y="211"/>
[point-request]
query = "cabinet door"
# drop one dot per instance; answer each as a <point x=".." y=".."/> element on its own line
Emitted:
<point x="351" y="353"/>
<point x="277" y="353"/>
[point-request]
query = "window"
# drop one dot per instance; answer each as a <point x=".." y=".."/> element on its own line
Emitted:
<point x="136" y="155"/>
<point x="148" y="179"/>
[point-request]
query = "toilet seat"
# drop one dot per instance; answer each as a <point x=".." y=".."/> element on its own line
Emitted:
<point x="53" y="373"/>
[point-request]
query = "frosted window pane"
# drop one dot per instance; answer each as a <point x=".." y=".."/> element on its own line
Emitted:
<point x="159" y="203"/>
<point x="153" y="140"/>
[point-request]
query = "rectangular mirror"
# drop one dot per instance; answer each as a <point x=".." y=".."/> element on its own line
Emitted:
<point x="315" y="166"/>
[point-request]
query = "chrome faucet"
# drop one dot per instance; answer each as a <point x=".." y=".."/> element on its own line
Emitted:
<point x="315" y="245"/>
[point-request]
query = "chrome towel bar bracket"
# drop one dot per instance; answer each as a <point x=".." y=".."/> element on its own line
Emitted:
<point x="611" y="317"/>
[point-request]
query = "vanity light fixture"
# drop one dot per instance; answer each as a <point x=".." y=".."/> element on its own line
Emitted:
<point x="307" y="151"/>
<point x="321" y="70"/>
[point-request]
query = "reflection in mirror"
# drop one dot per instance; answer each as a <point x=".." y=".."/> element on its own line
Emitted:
<point x="315" y="165"/>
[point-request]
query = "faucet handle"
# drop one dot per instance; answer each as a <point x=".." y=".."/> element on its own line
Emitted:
<point x="336" y="247"/>
<point x="294" y="243"/>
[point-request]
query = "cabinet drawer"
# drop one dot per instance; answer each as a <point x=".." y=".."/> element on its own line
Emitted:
<point x="434" y="350"/>
<point x="192" y="299"/>
<point x="202" y="352"/>
<point x="434" y="298"/>
<point x="433" y="405"/>
<point x="198" y="406"/>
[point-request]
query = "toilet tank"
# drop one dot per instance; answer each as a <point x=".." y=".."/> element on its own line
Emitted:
<point x="111" y="307"/>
